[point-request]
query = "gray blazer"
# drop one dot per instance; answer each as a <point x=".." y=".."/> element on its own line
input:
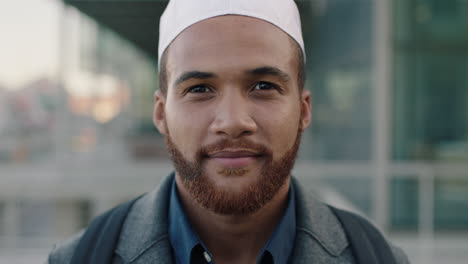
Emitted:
<point x="144" y="238"/>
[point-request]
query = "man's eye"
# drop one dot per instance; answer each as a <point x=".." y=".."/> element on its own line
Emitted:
<point x="265" y="86"/>
<point x="198" y="89"/>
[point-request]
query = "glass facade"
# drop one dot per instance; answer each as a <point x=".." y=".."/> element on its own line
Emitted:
<point x="340" y="78"/>
<point x="431" y="83"/>
<point x="405" y="203"/>
<point x="451" y="201"/>
<point x="430" y="121"/>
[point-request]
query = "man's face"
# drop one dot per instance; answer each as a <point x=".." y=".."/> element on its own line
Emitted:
<point x="232" y="114"/>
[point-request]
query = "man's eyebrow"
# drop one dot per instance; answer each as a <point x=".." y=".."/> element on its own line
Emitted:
<point x="194" y="75"/>
<point x="269" y="70"/>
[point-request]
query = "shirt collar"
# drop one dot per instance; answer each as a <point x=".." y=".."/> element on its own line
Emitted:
<point x="184" y="239"/>
<point x="281" y="241"/>
<point x="181" y="234"/>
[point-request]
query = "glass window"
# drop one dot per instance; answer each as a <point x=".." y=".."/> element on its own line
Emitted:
<point x="350" y="190"/>
<point x="430" y="121"/>
<point x="431" y="102"/>
<point x="339" y="71"/>
<point x="431" y="83"/>
<point x="356" y="190"/>
<point x="404" y="203"/>
<point x="451" y="203"/>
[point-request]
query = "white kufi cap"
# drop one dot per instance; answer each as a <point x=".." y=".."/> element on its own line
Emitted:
<point x="181" y="14"/>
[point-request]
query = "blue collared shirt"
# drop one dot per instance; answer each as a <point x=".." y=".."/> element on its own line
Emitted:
<point x="189" y="249"/>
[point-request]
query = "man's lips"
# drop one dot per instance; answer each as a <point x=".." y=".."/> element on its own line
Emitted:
<point x="234" y="159"/>
<point x="233" y="154"/>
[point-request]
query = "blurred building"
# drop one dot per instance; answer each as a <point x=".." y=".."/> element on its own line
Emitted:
<point x="389" y="81"/>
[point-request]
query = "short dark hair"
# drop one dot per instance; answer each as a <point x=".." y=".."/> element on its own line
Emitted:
<point x="163" y="86"/>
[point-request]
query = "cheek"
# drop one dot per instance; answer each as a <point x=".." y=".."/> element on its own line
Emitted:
<point x="280" y="126"/>
<point x="186" y="128"/>
<point x="285" y="138"/>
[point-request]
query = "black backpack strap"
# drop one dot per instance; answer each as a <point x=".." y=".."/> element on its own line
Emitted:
<point x="97" y="244"/>
<point x="367" y="243"/>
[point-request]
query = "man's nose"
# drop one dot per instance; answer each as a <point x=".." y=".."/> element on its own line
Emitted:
<point x="233" y="118"/>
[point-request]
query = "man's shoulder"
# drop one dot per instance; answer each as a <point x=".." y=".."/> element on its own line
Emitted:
<point x="145" y="221"/>
<point x="63" y="252"/>
<point x="372" y="234"/>
<point x="399" y="254"/>
<point x="321" y="231"/>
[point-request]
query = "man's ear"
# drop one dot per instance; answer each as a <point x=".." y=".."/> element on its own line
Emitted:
<point x="159" y="115"/>
<point x="306" y="109"/>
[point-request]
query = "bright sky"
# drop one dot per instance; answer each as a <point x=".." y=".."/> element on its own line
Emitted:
<point x="28" y="40"/>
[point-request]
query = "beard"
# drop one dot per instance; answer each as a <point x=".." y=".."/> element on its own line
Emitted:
<point x="273" y="175"/>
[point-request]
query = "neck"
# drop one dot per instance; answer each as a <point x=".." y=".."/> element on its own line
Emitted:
<point x="234" y="238"/>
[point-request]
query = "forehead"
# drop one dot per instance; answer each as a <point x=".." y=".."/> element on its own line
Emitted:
<point x="229" y="43"/>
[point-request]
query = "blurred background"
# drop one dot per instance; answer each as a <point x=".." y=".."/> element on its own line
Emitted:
<point x="389" y="138"/>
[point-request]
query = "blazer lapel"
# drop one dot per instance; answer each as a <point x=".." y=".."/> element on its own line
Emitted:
<point x="319" y="235"/>
<point x="144" y="238"/>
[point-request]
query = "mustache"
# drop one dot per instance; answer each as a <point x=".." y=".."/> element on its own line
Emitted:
<point x="245" y="144"/>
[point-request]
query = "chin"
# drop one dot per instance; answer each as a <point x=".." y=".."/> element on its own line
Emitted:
<point x="234" y="181"/>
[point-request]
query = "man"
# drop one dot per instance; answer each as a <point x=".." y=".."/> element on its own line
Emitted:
<point x="232" y="108"/>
